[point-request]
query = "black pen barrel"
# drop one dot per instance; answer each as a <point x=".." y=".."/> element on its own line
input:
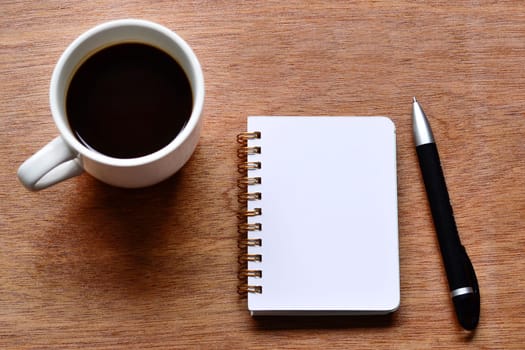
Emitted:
<point x="449" y="243"/>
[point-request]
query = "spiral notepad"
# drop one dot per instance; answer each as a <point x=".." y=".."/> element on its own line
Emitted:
<point x="318" y="228"/>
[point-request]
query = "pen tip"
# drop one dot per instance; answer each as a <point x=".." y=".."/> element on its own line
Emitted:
<point x="414" y="99"/>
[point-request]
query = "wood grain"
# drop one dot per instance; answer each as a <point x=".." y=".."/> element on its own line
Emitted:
<point x="85" y="265"/>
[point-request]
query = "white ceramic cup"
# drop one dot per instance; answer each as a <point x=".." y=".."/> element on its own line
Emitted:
<point x="65" y="157"/>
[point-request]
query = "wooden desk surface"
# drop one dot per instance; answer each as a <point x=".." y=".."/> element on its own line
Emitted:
<point x="87" y="265"/>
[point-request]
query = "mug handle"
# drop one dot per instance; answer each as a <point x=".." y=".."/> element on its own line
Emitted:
<point x="54" y="163"/>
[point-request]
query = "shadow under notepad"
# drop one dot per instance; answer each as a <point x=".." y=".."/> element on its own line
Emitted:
<point x="325" y="322"/>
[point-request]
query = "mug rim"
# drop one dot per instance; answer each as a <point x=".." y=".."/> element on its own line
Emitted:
<point x="197" y="83"/>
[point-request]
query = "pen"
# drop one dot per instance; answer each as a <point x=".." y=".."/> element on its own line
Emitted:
<point x="461" y="277"/>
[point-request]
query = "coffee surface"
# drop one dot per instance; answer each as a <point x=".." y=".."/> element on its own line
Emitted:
<point x="128" y="100"/>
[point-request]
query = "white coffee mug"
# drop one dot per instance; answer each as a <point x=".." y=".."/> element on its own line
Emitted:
<point x="65" y="156"/>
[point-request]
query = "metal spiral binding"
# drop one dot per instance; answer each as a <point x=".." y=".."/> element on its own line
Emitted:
<point x="243" y="226"/>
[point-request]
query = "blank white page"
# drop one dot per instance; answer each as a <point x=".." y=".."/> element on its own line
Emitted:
<point x="329" y="216"/>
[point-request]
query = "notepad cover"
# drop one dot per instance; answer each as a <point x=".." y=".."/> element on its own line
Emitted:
<point x="329" y="224"/>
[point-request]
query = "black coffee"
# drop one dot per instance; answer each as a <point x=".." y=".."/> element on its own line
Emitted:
<point x="128" y="100"/>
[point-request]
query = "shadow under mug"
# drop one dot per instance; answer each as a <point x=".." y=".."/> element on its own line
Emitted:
<point x="65" y="156"/>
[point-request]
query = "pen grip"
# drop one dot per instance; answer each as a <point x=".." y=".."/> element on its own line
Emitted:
<point x="452" y="251"/>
